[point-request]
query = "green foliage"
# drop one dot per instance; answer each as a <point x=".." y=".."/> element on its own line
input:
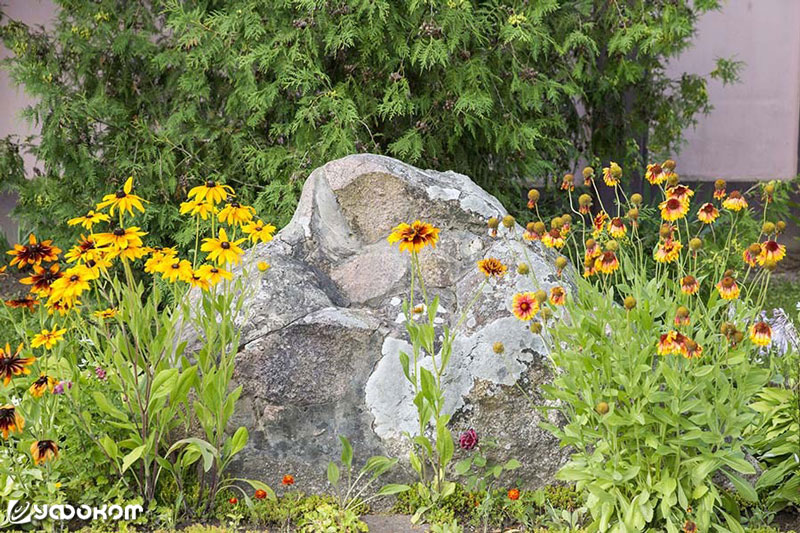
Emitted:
<point x="330" y="519"/>
<point x="257" y="93"/>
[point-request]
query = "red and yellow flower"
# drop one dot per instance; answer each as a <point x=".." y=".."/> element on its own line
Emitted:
<point x="707" y="213"/>
<point x="673" y="209"/>
<point x="689" y="285"/>
<point x="735" y="201"/>
<point x="44" y="450"/>
<point x="607" y="262"/>
<point x="728" y="289"/>
<point x="771" y="251"/>
<point x="612" y="174"/>
<point x="558" y="296"/>
<point x="42" y="383"/>
<point x="680" y="192"/>
<point x="492" y="267"/>
<point x="761" y="333"/>
<point x="415" y="236"/>
<point x="524" y="305"/>
<point x="668" y="251"/>
<point x="42" y="278"/>
<point x="616" y="227"/>
<point x="719" y="189"/>
<point x="33" y="253"/>
<point x="655" y="174"/>
<point x="553" y="239"/>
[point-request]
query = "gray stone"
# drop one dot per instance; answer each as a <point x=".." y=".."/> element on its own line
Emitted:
<point x="324" y="326"/>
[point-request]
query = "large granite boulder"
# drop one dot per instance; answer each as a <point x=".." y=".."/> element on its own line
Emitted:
<point x="324" y="326"/>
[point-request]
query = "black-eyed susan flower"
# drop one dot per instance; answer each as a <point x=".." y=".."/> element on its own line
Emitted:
<point x="85" y="249"/>
<point x="42" y="278"/>
<point x="735" y="201"/>
<point x="104" y="314"/>
<point x="750" y="254"/>
<point x="211" y="191"/>
<point x="159" y="260"/>
<point x="258" y="231"/>
<point x="33" y="253"/>
<point x="707" y="213"/>
<point x="616" y="228"/>
<point x="655" y="174"/>
<point x="235" y="214"/>
<point x="689" y="285"/>
<point x="178" y="270"/>
<point x="568" y="183"/>
<point x="11" y="364"/>
<point x="22" y="303"/>
<point x="44" y="450"/>
<point x="222" y="250"/>
<point x="200" y="208"/>
<point x="120" y="240"/>
<point x="492" y="266"/>
<point x="719" y="189"/>
<point x="102" y="264"/>
<point x="761" y="333"/>
<point x="89" y="219"/>
<point x="607" y="262"/>
<point x="612" y="174"/>
<point x="415" y="236"/>
<point x="69" y="286"/>
<point x="214" y="274"/>
<point x="48" y="338"/>
<point x="199" y="280"/>
<point x="524" y="305"/>
<point x="262" y="266"/>
<point x="558" y="295"/>
<point x="668" y="251"/>
<point x="680" y="192"/>
<point x="10" y="420"/>
<point x="728" y="289"/>
<point x="42" y="383"/>
<point x="61" y="306"/>
<point x="771" y="251"/>
<point x="123" y="200"/>
<point x="553" y="239"/>
<point x="673" y="209"/>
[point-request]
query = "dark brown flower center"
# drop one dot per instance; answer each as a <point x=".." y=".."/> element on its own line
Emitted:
<point x="210" y="184"/>
<point x="121" y="194"/>
<point x="119" y="232"/>
<point x="225" y="245"/>
<point x="74" y="277"/>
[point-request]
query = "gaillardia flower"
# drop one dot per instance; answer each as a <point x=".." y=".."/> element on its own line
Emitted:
<point x="617" y="228"/>
<point x="211" y="191"/>
<point x="43" y="450"/>
<point x="680" y="192"/>
<point x="673" y="209"/>
<point x="123" y="200"/>
<point x="492" y="267"/>
<point x="750" y="254"/>
<point x="558" y="296"/>
<point x="728" y="289"/>
<point x="33" y="253"/>
<point x="607" y="262"/>
<point x="735" y="201"/>
<point x="222" y="250"/>
<point x="707" y="213"/>
<point x="10" y="420"/>
<point x="524" y="305"/>
<point x="611" y="174"/>
<point x="553" y="239"/>
<point x="689" y="285"/>
<point x="668" y="251"/>
<point x="655" y="174"/>
<point x="415" y="236"/>
<point x="761" y="333"/>
<point x="771" y="251"/>
<point x="719" y="189"/>
<point x="42" y="383"/>
<point x="11" y="364"/>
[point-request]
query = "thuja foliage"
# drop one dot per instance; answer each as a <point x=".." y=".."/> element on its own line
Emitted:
<point x="257" y="93"/>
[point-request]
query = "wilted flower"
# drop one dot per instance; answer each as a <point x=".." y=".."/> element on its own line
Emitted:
<point x="43" y="450"/>
<point x="728" y="289"/>
<point x="557" y="295"/>
<point x="10" y="420"/>
<point x="568" y="182"/>
<point x="588" y="176"/>
<point x="533" y="197"/>
<point x="689" y="285"/>
<point x="11" y="364"/>
<point x="584" y="204"/>
<point x="617" y="228"/>
<point x="682" y="316"/>
<point x="707" y="213"/>
<point x="719" y="189"/>
<point x="42" y="383"/>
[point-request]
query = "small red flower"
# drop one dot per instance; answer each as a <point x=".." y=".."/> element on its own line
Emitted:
<point x="260" y="494"/>
<point x="288" y="479"/>
<point x="233" y="501"/>
<point x="513" y="494"/>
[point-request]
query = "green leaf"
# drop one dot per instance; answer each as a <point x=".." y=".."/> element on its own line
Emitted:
<point x="333" y="474"/>
<point x="132" y="457"/>
<point x="744" y="488"/>
<point x="392" y="488"/>
<point x="347" y="451"/>
<point x="238" y="441"/>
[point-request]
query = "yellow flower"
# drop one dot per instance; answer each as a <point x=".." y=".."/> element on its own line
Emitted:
<point x="48" y="339"/>
<point x="492" y="267"/>
<point x="728" y="289"/>
<point x="105" y="313"/>
<point x="179" y="269"/>
<point x="612" y="174"/>
<point x="211" y="191"/>
<point x="214" y="274"/>
<point x="198" y="208"/>
<point x="415" y="236"/>
<point x="525" y="306"/>
<point x="557" y="296"/>
<point x="159" y="260"/>
<point x="707" y="213"/>
<point x="258" y="231"/>
<point x="62" y="306"/>
<point x="33" y="253"/>
<point x="43" y="383"/>
<point x="69" y="286"/>
<point x="222" y="250"/>
<point x="199" y="279"/>
<point x="89" y="219"/>
<point x="668" y="251"/>
<point x="761" y="333"/>
<point x="125" y="242"/>
<point x="673" y="209"/>
<point x="122" y="200"/>
<point x="735" y="201"/>
<point x="263" y="266"/>
<point x="236" y="214"/>
<point x="10" y="420"/>
<point x="771" y="251"/>
<point x="607" y="262"/>
<point x="617" y="228"/>
<point x="553" y="239"/>
<point x="41" y="279"/>
<point x="43" y="450"/>
<point x="85" y="249"/>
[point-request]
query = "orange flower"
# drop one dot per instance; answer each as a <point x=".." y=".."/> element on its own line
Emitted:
<point x="513" y="494"/>
<point x="680" y="192"/>
<point x="728" y="289"/>
<point x="668" y="251"/>
<point x="553" y="239"/>
<point x="692" y="350"/>
<point x="557" y="296"/>
<point x="617" y="228"/>
<point x="719" y="189"/>
<point x="43" y="450"/>
<point x="33" y="253"/>
<point x="19" y="303"/>
<point x="707" y="213"/>
<point x="42" y="383"/>
<point x="735" y="201"/>
<point x="415" y="236"/>
<point x="655" y="174"/>
<point x="673" y="209"/>
<point x="10" y="420"/>
<point x="607" y="263"/>
<point x="761" y="333"/>
<point x="689" y="285"/>
<point x="42" y="278"/>
<point x="492" y="267"/>
<point x="524" y="305"/>
<point x="11" y="364"/>
<point x="771" y="252"/>
<point x="599" y="222"/>
<point x="260" y="494"/>
<point x="288" y="479"/>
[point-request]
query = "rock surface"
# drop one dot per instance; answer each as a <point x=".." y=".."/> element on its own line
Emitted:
<point x="324" y="326"/>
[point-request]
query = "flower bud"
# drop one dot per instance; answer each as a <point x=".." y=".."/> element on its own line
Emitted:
<point x="612" y="246"/>
<point x="769" y="188"/>
<point x="695" y="244"/>
<point x="665" y="231"/>
<point x="754" y="249"/>
<point x="682" y="312"/>
<point x="590" y="243"/>
<point x="629" y="302"/>
<point x="567" y="218"/>
<point x="498" y="348"/>
<point x="508" y="221"/>
<point x="523" y="269"/>
<point x="768" y="228"/>
<point x="728" y="273"/>
<point x="602" y="408"/>
<point x="780" y="226"/>
<point x="636" y="199"/>
<point x="588" y="172"/>
<point x="539" y="227"/>
<point x="533" y="195"/>
<point x="673" y="180"/>
<point x="493" y="223"/>
<point x="633" y="214"/>
<point x="584" y="200"/>
<point x="719" y="184"/>
<point x="546" y="313"/>
<point x="556" y="223"/>
<point x="541" y="296"/>
<point x="616" y="170"/>
<point x="531" y="227"/>
<point x="738" y="337"/>
<point x="669" y="165"/>
<point x="770" y="264"/>
<point x="561" y="262"/>
<point x="536" y="327"/>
